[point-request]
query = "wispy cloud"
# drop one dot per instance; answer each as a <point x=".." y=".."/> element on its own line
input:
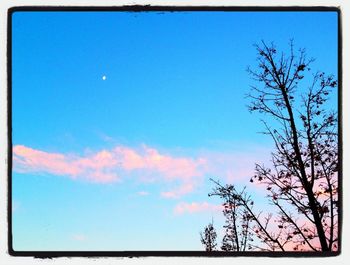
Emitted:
<point x="148" y="158"/>
<point x="96" y="168"/>
<point x="177" y="192"/>
<point x="196" y="207"/>
<point x="233" y="166"/>
<point x="181" y="174"/>
<point x="109" y="165"/>
<point x="143" y="193"/>
<point x="79" y="237"/>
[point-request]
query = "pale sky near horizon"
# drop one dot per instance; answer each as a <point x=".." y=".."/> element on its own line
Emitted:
<point x="120" y="119"/>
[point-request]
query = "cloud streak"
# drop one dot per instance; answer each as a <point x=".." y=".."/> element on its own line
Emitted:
<point x="143" y="193"/>
<point x="96" y="168"/>
<point x="181" y="174"/>
<point x="79" y="237"/>
<point x="196" y="207"/>
<point x="109" y="165"/>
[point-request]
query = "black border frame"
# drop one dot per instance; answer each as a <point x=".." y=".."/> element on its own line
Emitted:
<point x="150" y="8"/>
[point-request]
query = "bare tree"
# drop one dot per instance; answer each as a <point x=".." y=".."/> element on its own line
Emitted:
<point x="238" y="220"/>
<point x="208" y="238"/>
<point x="305" y="162"/>
<point x="256" y="233"/>
<point x="302" y="180"/>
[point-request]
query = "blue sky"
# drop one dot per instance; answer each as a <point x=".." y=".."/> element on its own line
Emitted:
<point x="174" y="92"/>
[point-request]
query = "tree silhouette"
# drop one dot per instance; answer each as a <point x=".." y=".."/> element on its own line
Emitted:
<point x="254" y="225"/>
<point x="238" y="220"/>
<point x="208" y="239"/>
<point x="302" y="180"/>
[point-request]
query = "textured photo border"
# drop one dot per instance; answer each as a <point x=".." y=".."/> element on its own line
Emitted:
<point x="150" y="8"/>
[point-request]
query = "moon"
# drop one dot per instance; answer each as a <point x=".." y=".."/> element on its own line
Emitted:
<point x="104" y="78"/>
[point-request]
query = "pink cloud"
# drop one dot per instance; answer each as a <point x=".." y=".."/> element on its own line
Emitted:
<point x="150" y="159"/>
<point x="129" y="158"/>
<point x="143" y="193"/>
<point x="27" y="159"/>
<point x="181" y="174"/>
<point x="103" y="166"/>
<point x="235" y="166"/>
<point x="196" y="207"/>
<point x="96" y="168"/>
